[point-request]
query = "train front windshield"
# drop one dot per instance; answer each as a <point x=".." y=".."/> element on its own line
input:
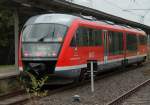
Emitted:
<point x="42" y="40"/>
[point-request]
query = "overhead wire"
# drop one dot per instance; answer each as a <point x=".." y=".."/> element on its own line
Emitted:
<point x="113" y="4"/>
<point x="129" y="11"/>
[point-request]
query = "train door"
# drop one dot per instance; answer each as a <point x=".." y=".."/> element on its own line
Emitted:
<point x="132" y="47"/>
<point x="115" y="51"/>
<point x="124" y="61"/>
<point x="105" y="47"/>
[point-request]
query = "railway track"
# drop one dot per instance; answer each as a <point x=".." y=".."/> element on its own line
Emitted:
<point x="101" y="76"/>
<point x="20" y="97"/>
<point x="8" y="75"/>
<point x="124" y="96"/>
<point x="17" y="97"/>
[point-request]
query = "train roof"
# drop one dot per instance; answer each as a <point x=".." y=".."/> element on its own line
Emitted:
<point x="67" y="19"/>
<point x="64" y="19"/>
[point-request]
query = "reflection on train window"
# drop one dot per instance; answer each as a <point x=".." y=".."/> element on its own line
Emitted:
<point x="95" y="38"/>
<point x="87" y="37"/>
<point x="131" y="42"/>
<point x="82" y="36"/>
<point x="142" y="40"/>
<point x="115" y="43"/>
<point x="44" y="32"/>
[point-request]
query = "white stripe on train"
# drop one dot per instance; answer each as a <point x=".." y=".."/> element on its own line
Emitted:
<point x="85" y="65"/>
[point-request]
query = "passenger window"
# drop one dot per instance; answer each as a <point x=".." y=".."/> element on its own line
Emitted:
<point x="98" y="37"/>
<point x="143" y="40"/>
<point x="87" y="37"/>
<point x="79" y="39"/>
<point x="91" y="37"/>
<point x="115" y="43"/>
<point x="131" y="42"/>
<point x="95" y="37"/>
<point x="84" y="35"/>
<point x="73" y="42"/>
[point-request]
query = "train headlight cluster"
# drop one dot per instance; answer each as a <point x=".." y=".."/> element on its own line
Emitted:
<point x="20" y="68"/>
<point x="40" y="49"/>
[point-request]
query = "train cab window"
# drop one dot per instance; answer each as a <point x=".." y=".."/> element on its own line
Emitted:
<point x="115" y="43"/>
<point x="87" y="37"/>
<point x="142" y="40"/>
<point x="44" y="32"/>
<point x="131" y="42"/>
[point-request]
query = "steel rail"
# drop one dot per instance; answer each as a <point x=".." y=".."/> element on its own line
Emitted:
<point x="99" y="77"/>
<point x="124" y="96"/>
<point x="67" y="87"/>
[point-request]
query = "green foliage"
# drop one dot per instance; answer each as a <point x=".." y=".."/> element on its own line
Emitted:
<point x="36" y="86"/>
<point x="9" y="85"/>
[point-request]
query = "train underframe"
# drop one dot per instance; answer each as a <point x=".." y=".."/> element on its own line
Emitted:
<point x="48" y="68"/>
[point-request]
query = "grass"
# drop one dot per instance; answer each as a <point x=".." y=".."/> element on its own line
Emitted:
<point x="9" y="85"/>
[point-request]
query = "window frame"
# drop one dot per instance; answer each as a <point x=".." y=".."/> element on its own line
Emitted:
<point x="74" y="39"/>
<point x="129" y="45"/>
<point x="115" y="47"/>
<point x="143" y="41"/>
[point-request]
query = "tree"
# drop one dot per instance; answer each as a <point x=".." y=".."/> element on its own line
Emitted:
<point x="6" y="36"/>
<point x="6" y="27"/>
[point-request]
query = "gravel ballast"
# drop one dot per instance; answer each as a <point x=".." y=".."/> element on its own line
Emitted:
<point x="141" y="97"/>
<point x="106" y="89"/>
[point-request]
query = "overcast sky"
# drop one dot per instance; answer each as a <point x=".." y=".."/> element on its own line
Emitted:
<point x="118" y="8"/>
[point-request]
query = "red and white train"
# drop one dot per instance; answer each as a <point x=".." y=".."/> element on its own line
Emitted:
<point x="63" y="45"/>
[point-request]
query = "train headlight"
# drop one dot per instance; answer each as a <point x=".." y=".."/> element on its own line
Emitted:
<point x="20" y="68"/>
<point x="26" y="54"/>
<point x="40" y="49"/>
<point x="54" y="54"/>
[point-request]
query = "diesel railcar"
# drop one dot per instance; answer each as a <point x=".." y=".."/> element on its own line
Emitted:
<point x="62" y="45"/>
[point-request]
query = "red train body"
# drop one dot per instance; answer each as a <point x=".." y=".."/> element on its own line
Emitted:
<point x="62" y="45"/>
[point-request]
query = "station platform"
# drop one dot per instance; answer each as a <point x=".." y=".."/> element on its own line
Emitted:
<point x="8" y="71"/>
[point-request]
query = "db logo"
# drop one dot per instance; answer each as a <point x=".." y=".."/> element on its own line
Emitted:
<point x="91" y="55"/>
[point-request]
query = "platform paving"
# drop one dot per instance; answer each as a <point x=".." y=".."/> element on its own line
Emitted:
<point x="8" y="70"/>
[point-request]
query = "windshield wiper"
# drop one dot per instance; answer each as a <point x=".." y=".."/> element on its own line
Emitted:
<point x="42" y="38"/>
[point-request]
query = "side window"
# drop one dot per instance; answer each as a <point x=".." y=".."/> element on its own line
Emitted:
<point x="87" y="37"/>
<point x="131" y="42"/>
<point x="97" y="34"/>
<point x="95" y="37"/>
<point x="91" y="37"/>
<point x="73" y="42"/>
<point x="84" y="35"/>
<point x="143" y="40"/>
<point x="115" y="43"/>
<point x="80" y="37"/>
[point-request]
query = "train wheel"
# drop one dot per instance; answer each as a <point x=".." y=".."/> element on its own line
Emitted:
<point x="82" y="76"/>
<point x="139" y="63"/>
